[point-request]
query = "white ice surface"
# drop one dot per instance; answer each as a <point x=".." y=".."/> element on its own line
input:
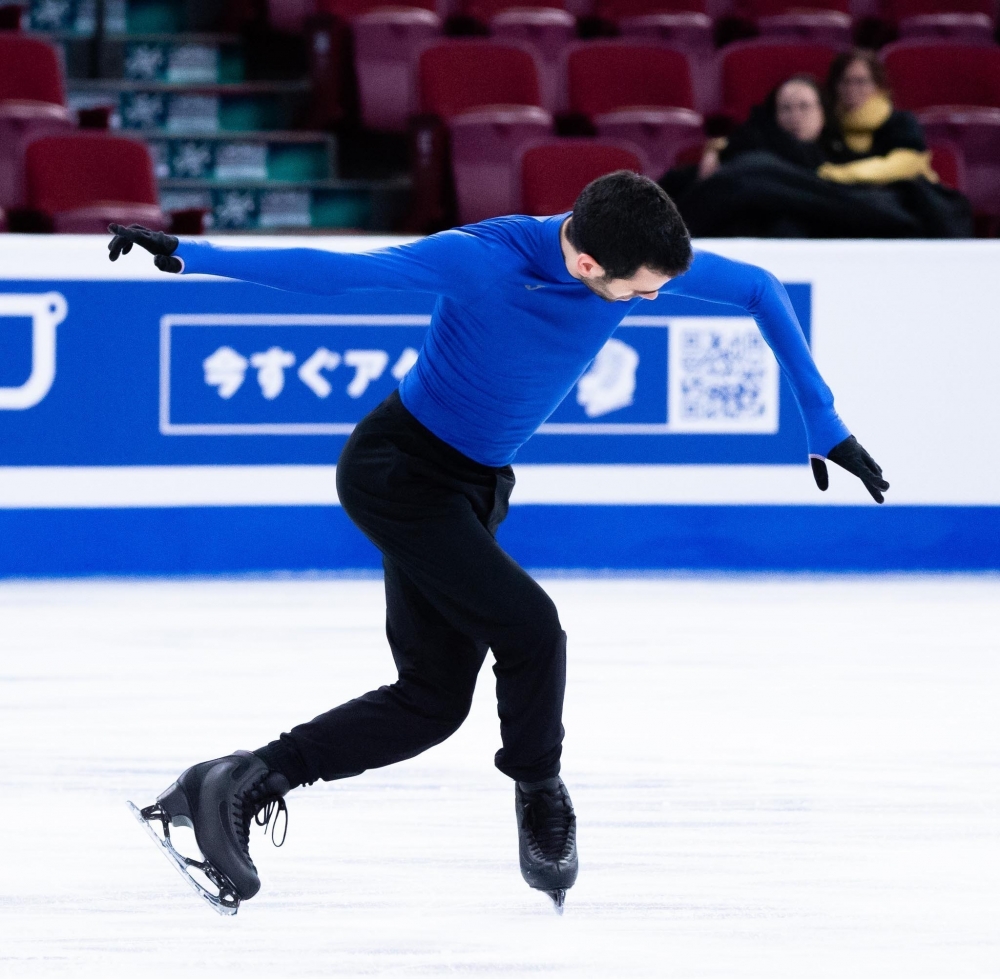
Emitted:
<point x="774" y="778"/>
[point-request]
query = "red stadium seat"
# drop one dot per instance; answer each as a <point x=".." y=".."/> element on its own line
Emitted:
<point x="749" y="70"/>
<point x="485" y="10"/>
<point x="661" y="134"/>
<point x="616" y="10"/>
<point x="31" y="105"/>
<point x="806" y="21"/>
<point x="949" y="165"/>
<point x="898" y="9"/>
<point x="820" y="27"/>
<point x="955" y="89"/>
<point x="289" y="15"/>
<point x="776" y="8"/>
<point x="456" y="76"/>
<point x="639" y="94"/>
<point x="923" y="75"/>
<point x="29" y="69"/>
<point x="489" y="95"/>
<point x="963" y="28"/>
<point x="689" y="32"/>
<point x="84" y="181"/>
<point x="605" y="76"/>
<point x="386" y="46"/>
<point x="349" y="9"/>
<point x="548" y="31"/>
<point x="553" y="174"/>
<point x="485" y="146"/>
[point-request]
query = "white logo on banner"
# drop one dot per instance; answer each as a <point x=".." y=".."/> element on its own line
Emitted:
<point x="609" y="384"/>
<point x="46" y="311"/>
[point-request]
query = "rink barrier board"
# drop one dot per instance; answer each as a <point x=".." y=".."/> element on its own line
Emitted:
<point x="154" y="424"/>
<point x="234" y="540"/>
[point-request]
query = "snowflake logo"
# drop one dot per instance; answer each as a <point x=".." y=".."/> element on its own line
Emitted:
<point x="235" y="209"/>
<point x="192" y="160"/>
<point x="50" y="14"/>
<point x="144" y="61"/>
<point x="144" y="110"/>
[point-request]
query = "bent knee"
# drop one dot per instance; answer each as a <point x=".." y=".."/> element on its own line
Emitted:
<point x="447" y="709"/>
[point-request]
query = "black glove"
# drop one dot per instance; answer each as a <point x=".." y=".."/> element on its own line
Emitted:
<point x="155" y="242"/>
<point x="850" y="454"/>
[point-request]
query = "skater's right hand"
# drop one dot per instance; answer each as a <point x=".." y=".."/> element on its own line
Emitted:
<point x="157" y="243"/>
<point x="851" y="455"/>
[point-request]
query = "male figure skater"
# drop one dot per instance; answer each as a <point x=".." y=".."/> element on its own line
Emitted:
<point x="524" y="306"/>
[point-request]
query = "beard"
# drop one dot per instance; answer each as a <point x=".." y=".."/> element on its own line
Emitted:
<point x="599" y="287"/>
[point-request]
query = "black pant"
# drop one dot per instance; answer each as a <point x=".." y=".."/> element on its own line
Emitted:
<point x="451" y="594"/>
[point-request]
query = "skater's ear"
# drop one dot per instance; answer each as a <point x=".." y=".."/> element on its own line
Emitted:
<point x="588" y="267"/>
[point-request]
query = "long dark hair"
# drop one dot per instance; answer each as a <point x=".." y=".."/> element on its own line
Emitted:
<point x="843" y="61"/>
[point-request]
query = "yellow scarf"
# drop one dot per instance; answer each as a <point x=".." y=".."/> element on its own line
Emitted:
<point x="859" y="124"/>
<point x="859" y="128"/>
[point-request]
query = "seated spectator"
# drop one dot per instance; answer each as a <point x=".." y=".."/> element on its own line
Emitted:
<point x="883" y="146"/>
<point x="770" y="179"/>
<point x="879" y="144"/>
<point x="790" y="125"/>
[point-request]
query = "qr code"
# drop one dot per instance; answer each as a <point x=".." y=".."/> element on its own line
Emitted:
<point x="722" y="377"/>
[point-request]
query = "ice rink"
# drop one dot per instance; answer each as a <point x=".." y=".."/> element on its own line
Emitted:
<point x="785" y="777"/>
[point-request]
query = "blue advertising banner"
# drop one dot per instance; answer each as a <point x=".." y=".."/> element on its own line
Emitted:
<point x="155" y="424"/>
<point x="144" y="364"/>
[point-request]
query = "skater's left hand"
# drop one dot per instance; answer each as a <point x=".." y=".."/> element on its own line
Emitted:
<point x="850" y="455"/>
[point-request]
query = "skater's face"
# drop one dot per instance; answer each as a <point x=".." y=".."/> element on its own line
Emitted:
<point x="645" y="284"/>
<point x="799" y="111"/>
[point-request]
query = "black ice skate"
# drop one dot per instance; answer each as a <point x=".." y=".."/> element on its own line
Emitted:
<point x="546" y="826"/>
<point x="218" y="799"/>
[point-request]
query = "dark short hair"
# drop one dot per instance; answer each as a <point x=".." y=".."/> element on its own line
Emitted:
<point x="626" y="222"/>
<point x="844" y="60"/>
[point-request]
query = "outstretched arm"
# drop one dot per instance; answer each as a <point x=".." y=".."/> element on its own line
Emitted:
<point x="445" y="264"/>
<point x="722" y="280"/>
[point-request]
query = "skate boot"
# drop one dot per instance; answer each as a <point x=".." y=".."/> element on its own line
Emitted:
<point x="218" y="799"/>
<point x="546" y="826"/>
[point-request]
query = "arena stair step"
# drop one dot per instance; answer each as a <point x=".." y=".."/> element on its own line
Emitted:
<point x="192" y="108"/>
<point x="268" y="156"/>
<point x="375" y="205"/>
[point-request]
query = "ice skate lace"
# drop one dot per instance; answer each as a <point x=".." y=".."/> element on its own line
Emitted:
<point x="258" y="806"/>
<point x="549" y="816"/>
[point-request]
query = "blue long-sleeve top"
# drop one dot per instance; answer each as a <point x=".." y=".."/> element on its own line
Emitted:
<point x="512" y="331"/>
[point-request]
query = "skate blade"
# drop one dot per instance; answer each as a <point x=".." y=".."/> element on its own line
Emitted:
<point x="558" y="899"/>
<point x="179" y="863"/>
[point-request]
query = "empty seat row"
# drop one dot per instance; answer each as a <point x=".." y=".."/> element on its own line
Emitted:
<point x="292" y="14"/>
<point x="384" y="37"/>
<point x="453" y="76"/>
